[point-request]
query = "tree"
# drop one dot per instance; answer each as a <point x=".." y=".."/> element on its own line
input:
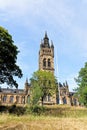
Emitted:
<point x="8" y="58"/>
<point x="82" y="83"/>
<point x="36" y="94"/>
<point x="45" y="82"/>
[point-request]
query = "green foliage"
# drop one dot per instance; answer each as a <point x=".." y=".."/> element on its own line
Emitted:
<point x="8" y="58"/>
<point x="35" y="110"/>
<point x="3" y="109"/>
<point x="17" y="110"/>
<point x="36" y="94"/>
<point x="43" y="83"/>
<point x="82" y="83"/>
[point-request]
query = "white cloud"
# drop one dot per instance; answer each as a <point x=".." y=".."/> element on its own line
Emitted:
<point x="18" y="7"/>
<point x="55" y="12"/>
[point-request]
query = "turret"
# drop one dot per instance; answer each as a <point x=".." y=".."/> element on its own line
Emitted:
<point x="46" y="55"/>
<point x="66" y="84"/>
<point x="46" y="40"/>
<point x="27" y="86"/>
<point x="52" y="46"/>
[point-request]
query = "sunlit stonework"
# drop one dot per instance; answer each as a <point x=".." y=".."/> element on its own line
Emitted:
<point x="46" y="63"/>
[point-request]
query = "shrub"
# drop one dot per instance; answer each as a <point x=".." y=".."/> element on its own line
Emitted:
<point x="35" y="109"/>
<point x="16" y="110"/>
<point x="3" y="109"/>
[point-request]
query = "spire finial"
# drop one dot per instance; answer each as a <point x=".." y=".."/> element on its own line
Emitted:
<point x="45" y="34"/>
<point x="66" y="84"/>
<point x="52" y="44"/>
<point x="46" y="40"/>
<point x="26" y="80"/>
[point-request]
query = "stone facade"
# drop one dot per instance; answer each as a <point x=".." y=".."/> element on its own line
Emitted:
<point x="46" y="63"/>
<point x="10" y="96"/>
<point x="46" y="55"/>
<point x="66" y="97"/>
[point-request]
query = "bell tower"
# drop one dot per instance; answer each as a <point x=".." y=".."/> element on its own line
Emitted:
<point x="46" y="55"/>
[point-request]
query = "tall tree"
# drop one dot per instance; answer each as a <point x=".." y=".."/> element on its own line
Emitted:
<point x="45" y="82"/>
<point x="82" y="85"/>
<point x="8" y="58"/>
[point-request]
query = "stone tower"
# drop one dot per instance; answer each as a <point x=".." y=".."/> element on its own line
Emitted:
<point x="46" y="55"/>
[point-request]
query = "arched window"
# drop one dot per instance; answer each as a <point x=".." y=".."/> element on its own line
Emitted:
<point x="64" y="101"/>
<point x="28" y="99"/>
<point x="17" y="99"/>
<point x="49" y="97"/>
<point x="44" y="62"/>
<point x="49" y="63"/>
<point x="4" y="98"/>
<point x="23" y="100"/>
<point x="75" y="102"/>
<point x="45" y="98"/>
<point x="11" y="99"/>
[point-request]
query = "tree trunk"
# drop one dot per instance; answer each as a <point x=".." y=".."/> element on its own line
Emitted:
<point x="42" y="100"/>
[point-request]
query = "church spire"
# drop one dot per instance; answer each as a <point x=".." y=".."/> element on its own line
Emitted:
<point x="46" y="55"/>
<point x="52" y="46"/>
<point x="46" y="40"/>
<point x="46" y="34"/>
<point x="26" y="82"/>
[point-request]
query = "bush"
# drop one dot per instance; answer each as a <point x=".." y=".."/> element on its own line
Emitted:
<point x="16" y="110"/>
<point x="3" y="109"/>
<point x="35" y="109"/>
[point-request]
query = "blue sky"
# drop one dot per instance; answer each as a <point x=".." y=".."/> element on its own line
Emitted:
<point x="66" y="24"/>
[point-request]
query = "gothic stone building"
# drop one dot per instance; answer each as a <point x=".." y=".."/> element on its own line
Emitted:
<point x="46" y="55"/>
<point x="10" y="96"/>
<point x="66" y="97"/>
<point x="46" y="63"/>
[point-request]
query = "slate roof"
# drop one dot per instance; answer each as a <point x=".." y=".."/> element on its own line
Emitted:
<point x="9" y="90"/>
